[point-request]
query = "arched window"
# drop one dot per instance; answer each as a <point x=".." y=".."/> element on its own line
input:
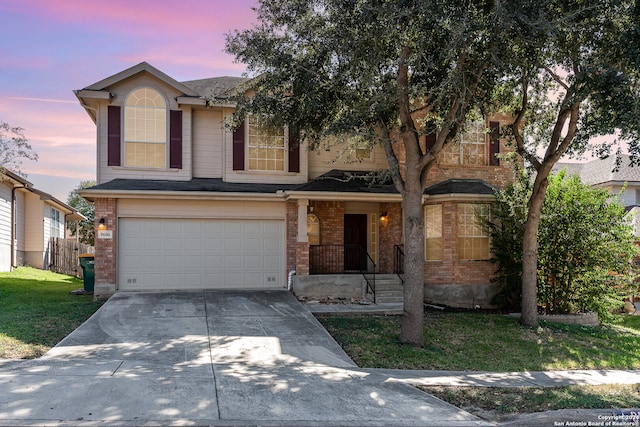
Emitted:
<point x="145" y="131"/>
<point x="313" y="229"/>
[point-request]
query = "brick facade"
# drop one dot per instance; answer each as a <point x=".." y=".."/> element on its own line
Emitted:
<point x="390" y="235"/>
<point x="291" y="235"/>
<point x="451" y="270"/>
<point x="106" y="249"/>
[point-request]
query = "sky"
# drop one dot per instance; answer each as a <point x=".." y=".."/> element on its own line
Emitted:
<point x="50" y="48"/>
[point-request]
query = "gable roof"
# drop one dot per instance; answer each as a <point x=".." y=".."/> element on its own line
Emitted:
<point x="600" y="171"/>
<point x="139" y="68"/>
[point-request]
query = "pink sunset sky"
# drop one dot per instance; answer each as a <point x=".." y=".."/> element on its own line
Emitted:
<point x="52" y="47"/>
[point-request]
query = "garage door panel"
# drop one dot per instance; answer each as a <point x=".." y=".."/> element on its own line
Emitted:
<point x="233" y="245"/>
<point x="252" y="262"/>
<point x="193" y="244"/>
<point x="159" y="253"/>
<point x="233" y="262"/>
<point x="233" y="227"/>
<point x="214" y="262"/>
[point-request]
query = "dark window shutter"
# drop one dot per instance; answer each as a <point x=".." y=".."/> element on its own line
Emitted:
<point x="175" y="139"/>
<point x="114" y="127"/>
<point x="431" y="141"/>
<point x="494" y="143"/>
<point x="294" y="150"/>
<point x="238" y="148"/>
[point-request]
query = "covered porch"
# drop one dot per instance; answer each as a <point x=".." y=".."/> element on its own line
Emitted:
<point x="344" y="238"/>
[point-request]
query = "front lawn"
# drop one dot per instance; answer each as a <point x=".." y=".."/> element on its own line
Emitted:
<point x="488" y="342"/>
<point x="37" y="311"/>
<point x="503" y="404"/>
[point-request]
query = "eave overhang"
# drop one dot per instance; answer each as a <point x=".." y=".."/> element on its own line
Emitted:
<point x="92" y="195"/>
<point x="343" y="196"/>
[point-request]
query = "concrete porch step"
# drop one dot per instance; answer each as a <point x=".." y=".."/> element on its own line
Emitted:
<point x="388" y="288"/>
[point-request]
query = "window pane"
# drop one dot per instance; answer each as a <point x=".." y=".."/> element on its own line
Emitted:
<point x="266" y="146"/>
<point x="145" y="129"/>
<point x="433" y="232"/>
<point x="434" y="249"/>
<point x="473" y="236"/>
<point x="313" y="229"/>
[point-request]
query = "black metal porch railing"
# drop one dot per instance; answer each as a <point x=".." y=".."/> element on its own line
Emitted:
<point x="343" y="259"/>
<point x="398" y="262"/>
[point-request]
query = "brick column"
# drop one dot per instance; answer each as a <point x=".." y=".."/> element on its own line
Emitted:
<point x="106" y="249"/>
<point x="302" y="241"/>
<point x="292" y="232"/>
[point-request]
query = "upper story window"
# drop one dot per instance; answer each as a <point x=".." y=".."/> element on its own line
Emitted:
<point x="469" y="148"/>
<point x="266" y="146"/>
<point x="55" y="224"/>
<point x="145" y="129"/>
<point x="258" y="147"/>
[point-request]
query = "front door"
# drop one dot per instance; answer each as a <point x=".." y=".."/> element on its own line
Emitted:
<point x="355" y="242"/>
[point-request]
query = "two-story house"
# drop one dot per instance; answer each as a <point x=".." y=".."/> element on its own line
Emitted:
<point x="185" y="202"/>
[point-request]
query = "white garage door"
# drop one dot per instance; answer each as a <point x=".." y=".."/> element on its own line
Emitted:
<point x="197" y="254"/>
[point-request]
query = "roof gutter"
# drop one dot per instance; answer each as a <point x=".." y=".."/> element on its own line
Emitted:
<point x="92" y="195"/>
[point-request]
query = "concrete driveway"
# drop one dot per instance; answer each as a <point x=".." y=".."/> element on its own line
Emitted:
<point x="207" y="358"/>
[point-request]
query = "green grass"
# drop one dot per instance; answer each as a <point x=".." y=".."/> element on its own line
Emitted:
<point x="488" y="342"/>
<point x="494" y="403"/>
<point x="37" y="311"/>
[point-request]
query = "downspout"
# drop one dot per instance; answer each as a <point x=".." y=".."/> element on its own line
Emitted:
<point x="13" y="226"/>
<point x="290" y="279"/>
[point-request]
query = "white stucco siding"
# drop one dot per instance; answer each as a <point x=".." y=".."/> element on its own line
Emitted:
<point x="208" y="132"/>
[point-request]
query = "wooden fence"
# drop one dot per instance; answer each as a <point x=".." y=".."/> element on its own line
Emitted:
<point x="63" y="256"/>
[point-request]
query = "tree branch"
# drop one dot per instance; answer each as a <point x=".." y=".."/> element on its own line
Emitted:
<point x="518" y="125"/>
<point x="556" y="78"/>
<point x="394" y="165"/>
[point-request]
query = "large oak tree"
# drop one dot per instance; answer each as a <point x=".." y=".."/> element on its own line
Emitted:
<point x="367" y="70"/>
<point x="576" y="80"/>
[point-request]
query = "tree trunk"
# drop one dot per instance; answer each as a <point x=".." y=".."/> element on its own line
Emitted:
<point x="412" y="331"/>
<point x="529" y="315"/>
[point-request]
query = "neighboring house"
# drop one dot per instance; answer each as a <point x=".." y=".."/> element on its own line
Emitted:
<point x="186" y="202"/>
<point x="614" y="175"/>
<point x="28" y="219"/>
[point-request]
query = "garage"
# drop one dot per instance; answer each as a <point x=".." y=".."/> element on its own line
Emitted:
<point x="171" y="253"/>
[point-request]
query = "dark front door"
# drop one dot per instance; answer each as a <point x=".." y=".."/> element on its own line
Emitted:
<point x="355" y="242"/>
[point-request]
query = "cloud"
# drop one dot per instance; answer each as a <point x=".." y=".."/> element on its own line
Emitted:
<point x="23" y="98"/>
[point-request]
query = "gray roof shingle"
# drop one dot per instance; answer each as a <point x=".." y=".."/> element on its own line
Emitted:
<point x="603" y="170"/>
<point x="333" y="181"/>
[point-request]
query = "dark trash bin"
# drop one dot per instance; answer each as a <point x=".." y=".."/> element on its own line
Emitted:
<point x="88" y="272"/>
